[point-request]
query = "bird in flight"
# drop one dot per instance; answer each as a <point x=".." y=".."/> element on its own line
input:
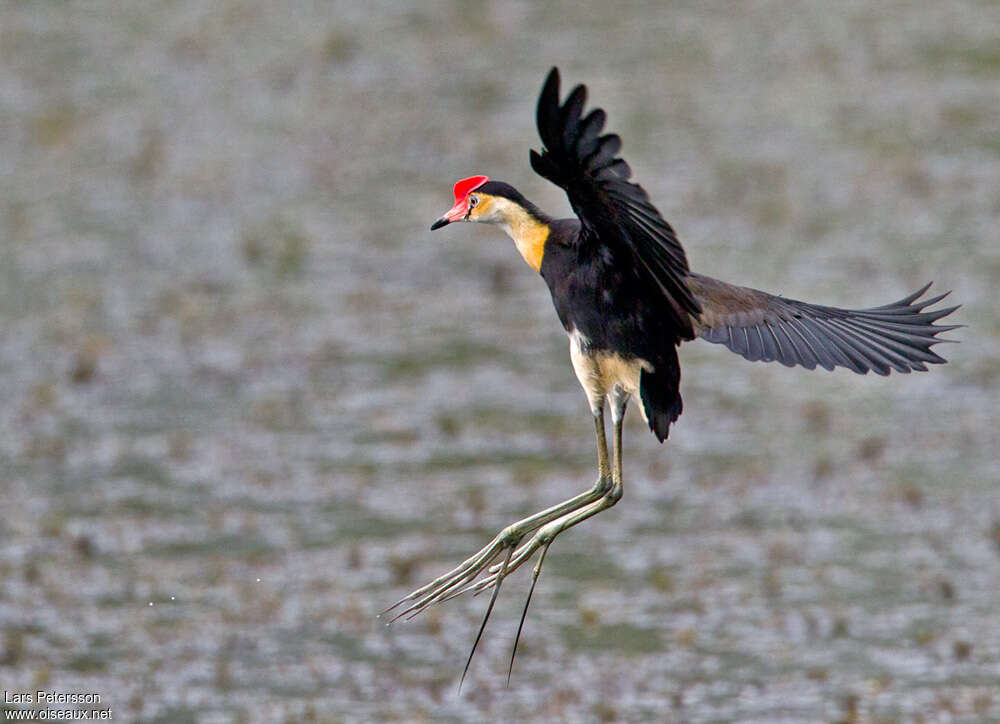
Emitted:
<point x="622" y="288"/>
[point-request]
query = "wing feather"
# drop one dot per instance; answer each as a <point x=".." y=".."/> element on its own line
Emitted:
<point x="760" y="326"/>
<point x="613" y="211"/>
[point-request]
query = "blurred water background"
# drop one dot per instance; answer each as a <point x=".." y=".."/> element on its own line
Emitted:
<point x="249" y="399"/>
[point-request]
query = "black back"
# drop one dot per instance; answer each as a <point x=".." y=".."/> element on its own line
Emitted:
<point x="606" y="299"/>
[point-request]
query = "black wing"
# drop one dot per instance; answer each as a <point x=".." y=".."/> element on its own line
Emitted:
<point x="612" y="210"/>
<point x="761" y="326"/>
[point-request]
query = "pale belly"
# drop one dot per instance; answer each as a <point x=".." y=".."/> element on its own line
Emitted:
<point x="603" y="373"/>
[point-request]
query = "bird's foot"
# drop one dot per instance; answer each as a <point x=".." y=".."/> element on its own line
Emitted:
<point x="514" y="559"/>
<point x="463" y="577"/>
<point x="455" y="581"/>
<point x="541" y="540"/>
<point x="545" y="525"/>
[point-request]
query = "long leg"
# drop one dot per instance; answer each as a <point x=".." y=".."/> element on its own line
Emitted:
<point x="619" y="400"/>
<point x="549" y="531"/>
<point x="452" y="582"/>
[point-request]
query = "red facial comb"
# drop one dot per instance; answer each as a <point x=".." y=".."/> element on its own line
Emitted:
<point x="467" y="185"/>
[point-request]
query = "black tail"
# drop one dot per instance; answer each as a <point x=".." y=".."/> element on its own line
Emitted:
<point x="661" y="396"/>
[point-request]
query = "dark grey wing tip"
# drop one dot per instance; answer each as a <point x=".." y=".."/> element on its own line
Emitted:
<point x="906" y="301"/>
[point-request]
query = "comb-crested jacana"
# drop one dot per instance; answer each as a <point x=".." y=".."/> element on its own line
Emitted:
<point x="623" y="291"/>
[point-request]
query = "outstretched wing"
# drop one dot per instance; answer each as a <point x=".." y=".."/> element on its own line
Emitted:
<point x="761" y="326"/>
<point x="612" y="210"/>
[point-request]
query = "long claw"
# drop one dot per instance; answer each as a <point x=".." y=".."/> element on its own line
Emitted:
<point x="473" y="586"/>
<point x="469" y="568"/>
<point x="463" y="584"/>
<point x="489" y="610"/>
<point x="442" y="592"/>
<point x="524" y="613"/>
<point x="444" y="587"/>
<point x="437" y="582"/>
<point x="521" y="556"/>
<point x="545" y="524"/>
<point x="462" y="579"/>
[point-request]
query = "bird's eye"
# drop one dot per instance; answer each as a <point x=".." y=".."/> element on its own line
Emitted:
<point x="473" y="201"/>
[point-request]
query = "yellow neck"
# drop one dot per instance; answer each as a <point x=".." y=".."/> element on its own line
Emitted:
<point x="529" y="234"/>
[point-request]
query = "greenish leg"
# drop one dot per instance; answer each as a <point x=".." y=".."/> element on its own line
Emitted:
<point x="455" y="581"/>
<point x="549" y="531"/>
